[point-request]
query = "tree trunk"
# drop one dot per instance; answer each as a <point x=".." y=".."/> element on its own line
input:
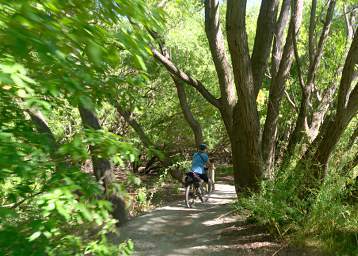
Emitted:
<point x="350" y="164"/>
<point x="188" y="115"/>
<point x="301" y="128"/>
<point x="320" y="113"/>
<point x="102" y="168"/>
<point x="325" y="148"/>
<point x="223" y="68"/>
<point x="246" y="157"/>
<point x="347" y="107"/>
<point x="263" y="41"/>
<point x="246" y="150"/>
<point x="42" y="128"/>
<point x="269" y="135"/>
<point x="311" y="32"/>
<point x="278" y="37"/>
<point x="127" y="115"/>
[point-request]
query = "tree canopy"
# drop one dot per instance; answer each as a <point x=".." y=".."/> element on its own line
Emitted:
<point x="94" y="92"/>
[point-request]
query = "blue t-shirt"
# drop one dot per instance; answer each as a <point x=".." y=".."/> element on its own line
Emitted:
<point x="199" y="160"/>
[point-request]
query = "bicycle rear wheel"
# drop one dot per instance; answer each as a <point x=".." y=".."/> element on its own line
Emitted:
<point x="189" y="195"/>
<point x="203" y="194"/>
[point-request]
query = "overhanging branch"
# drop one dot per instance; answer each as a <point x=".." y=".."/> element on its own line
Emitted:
<point x="174" y="70"/>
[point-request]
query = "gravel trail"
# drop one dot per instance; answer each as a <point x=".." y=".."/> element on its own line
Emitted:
<point x="208" y="228"/>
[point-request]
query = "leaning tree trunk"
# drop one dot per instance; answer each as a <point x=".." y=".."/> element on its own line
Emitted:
<point x="102" y="167"/>
<point x="179" y="84"/>
<point x="277" y="86"/>
<point x="127" y="115"/>
<point x="329" y="141"/>
<point x="188" y="115"/>
<point x="347" y="107"/>
<point x="42" y="128"/>
<point x="315" y="56"/>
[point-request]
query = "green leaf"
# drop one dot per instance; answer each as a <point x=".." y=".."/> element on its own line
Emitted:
<point x="35" y="235"/>
<point x="6" y="212"/>
<point x="140" y="62"/>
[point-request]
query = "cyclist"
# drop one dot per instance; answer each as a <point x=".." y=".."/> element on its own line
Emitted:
<point x="199" y="163"/>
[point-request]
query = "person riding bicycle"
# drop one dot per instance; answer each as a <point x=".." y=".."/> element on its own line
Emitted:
<point x="199" y="163"/>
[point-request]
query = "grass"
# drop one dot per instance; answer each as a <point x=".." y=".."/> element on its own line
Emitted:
<point x="326" y="217"/>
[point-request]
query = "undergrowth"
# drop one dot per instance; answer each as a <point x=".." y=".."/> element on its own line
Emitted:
<point x="326" y="215"/>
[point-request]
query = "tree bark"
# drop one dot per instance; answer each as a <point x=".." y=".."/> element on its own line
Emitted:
<point x="350" y="21"/>
<point x="188" y="115"/>
<point x="277" y="90"/>
<point x="246" y="151"/>
<point x="172" y="69"/>
<point x="263" y="41"/>
<point x="42" y="128"/>
<point x="350" y="164"/>
<point x="278" y="37"/>
<point x="311" y="32"/>
<point x="347" y="107"/>
<point x="102" y="168"/>
<point x="223" y="69"/>
<point x="319" y="114"/>
<point x="301" y="126"/>
<point x="127" y="115"/>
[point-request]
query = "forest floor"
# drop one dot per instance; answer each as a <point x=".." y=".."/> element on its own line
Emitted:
<point x="210" y="228"/>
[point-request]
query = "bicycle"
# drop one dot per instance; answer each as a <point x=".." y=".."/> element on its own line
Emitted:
<point x="196" y="188"/>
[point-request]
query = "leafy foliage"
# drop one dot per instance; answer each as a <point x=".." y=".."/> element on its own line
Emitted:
<point x="55" y="56"/>
<point x="58" y="55"/>
<point x="328" y="216"/>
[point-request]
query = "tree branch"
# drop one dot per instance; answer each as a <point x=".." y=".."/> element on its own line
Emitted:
<point x="278" y="40"/>
<point x="349" y="18"/>
<point x="323" y="38"/>
<point x="292" y="103"/>
<point x="188" y="115"/>
<point x="298" y="63"/>
<point x="301" y="126"/>
<point x="186" y="78"/>
<point x="352" y="106"/>
<point x="320" y="112"/>
<point x="311" y="31"/>
<point x="263" y="40"/>
<point x="217" y="48"/>
<point x="277" y="87"/>
<point x="42" y="128"/>
<point x="347" y="74"/>
<point x="127" y="115"/>
<point x="239" y="49"/>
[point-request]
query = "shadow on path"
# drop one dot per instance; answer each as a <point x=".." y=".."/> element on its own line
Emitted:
<point x="206" y="229"/>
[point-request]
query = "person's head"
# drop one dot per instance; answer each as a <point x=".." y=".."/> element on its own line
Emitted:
<point x="202" y="147"/>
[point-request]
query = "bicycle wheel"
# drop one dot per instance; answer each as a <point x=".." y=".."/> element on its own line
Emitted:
<point x="189" y="195"/>
<point x="201" y="193"/>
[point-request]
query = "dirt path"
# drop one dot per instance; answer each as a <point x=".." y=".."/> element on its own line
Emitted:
<point x="207" y="229"/>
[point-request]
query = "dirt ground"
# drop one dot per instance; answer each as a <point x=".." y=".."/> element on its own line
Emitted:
<point x="209" y="228"/>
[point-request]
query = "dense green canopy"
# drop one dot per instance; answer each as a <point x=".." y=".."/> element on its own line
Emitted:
<point x="94" y="92"/>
